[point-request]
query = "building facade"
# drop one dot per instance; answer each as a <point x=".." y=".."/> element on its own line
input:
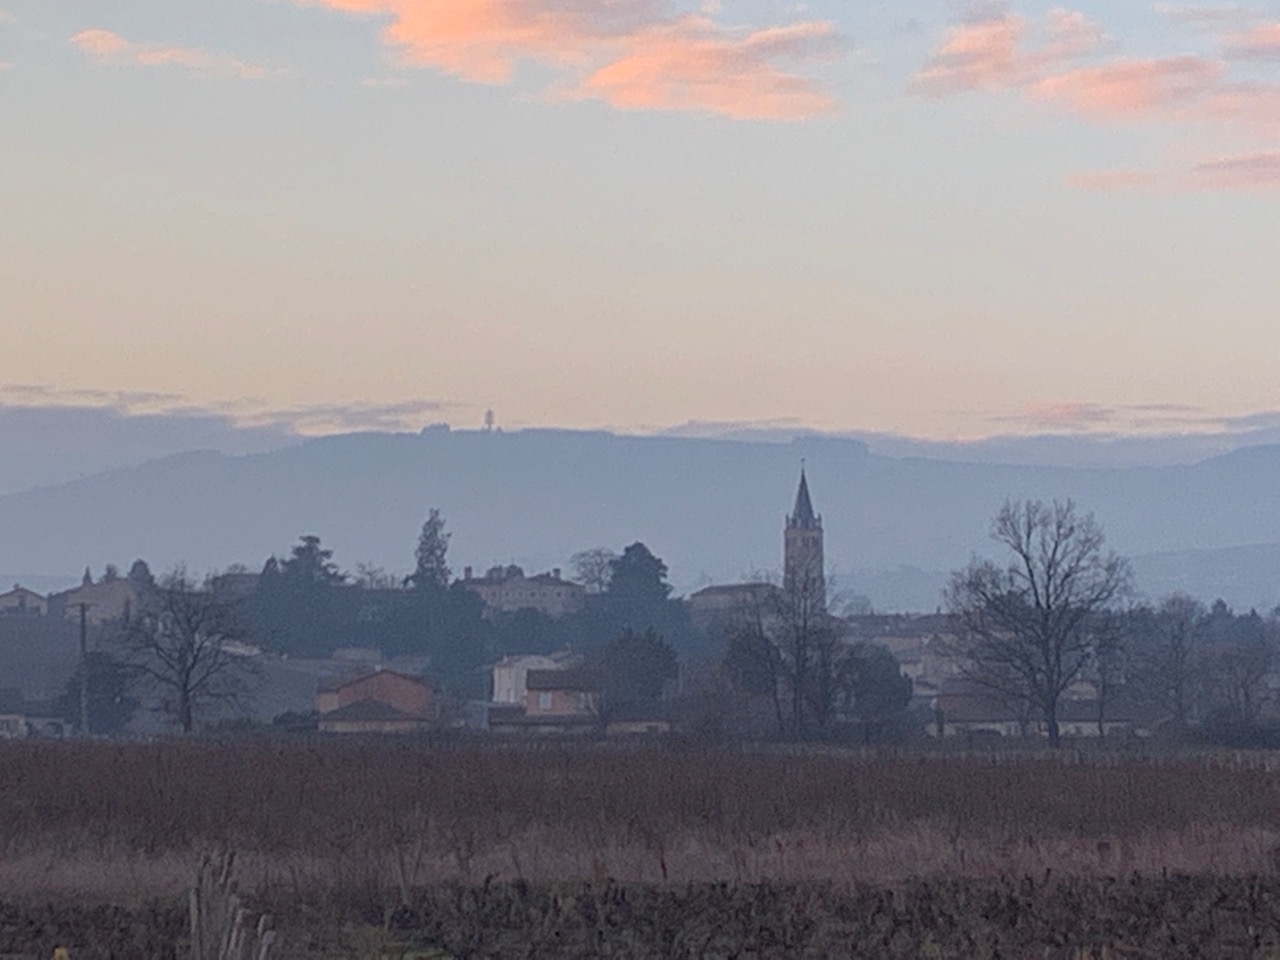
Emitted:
<point x="381" y="702"/>
<point x="508" y="590"/>
<point x="562" y="693"/>
<point x="21" y="602"/>
<point x="729" y="604"/>
<point x="108" y="600"/>
<point x="510" y="674"/>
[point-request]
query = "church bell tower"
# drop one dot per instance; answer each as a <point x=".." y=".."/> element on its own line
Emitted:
<point x="803" y="574"/>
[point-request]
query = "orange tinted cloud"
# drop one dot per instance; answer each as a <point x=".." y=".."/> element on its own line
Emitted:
<point x="1132" y="89"/>
<point x="998" y="52"/>
<point x="632" y="54"/>
<point x="995" y="52"/>
<point x="111" y="48"/>
<point x="483" y="40"/>
<point x="977" y="56"/>
<point x="693" y="65"/>
<point x="1262" y="42"/>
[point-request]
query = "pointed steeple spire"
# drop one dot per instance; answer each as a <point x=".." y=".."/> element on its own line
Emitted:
<point x="803" y="515"/>
<point x="802" y="561"/>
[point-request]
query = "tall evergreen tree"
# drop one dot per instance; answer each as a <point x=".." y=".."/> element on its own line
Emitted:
<point x="636" y="666"/>
<point x="638" y="575"/>
<point x="432" y="568"/>
<point x="312" y="564"/>
<point x="302" y="605"/>
<point x="140" y="575"/>
<point x="637" y="599"/>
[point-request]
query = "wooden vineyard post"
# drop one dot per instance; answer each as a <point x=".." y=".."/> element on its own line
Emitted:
<point x="220" y="928"/>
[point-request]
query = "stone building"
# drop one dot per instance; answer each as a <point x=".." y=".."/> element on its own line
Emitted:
<point x="21" y="602"/>
<point x="507" y="590"/>
<point x="110" y="599"/>
<point x="803" y="573"/>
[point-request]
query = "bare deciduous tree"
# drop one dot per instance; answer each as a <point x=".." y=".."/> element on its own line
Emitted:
<point x="753" y="660"/>
<point x="370" y="576"/>
<point x="181" y="644"/>
<point x="807" y="638"/>
<point x="593" y="568"/>
<point x="1235" y="672"/>
<point x="784" y="643"/>
<point x="1169" y="666"/>
<point x="1029" y="629"/>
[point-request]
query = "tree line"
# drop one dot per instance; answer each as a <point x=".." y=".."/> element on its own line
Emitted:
<point x="187" y="642"/>
<point x="305" y="605"/>
<point x="1059" y="613"/>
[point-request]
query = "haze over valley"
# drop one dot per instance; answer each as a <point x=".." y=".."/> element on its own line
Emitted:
<point x="712" y="508"/>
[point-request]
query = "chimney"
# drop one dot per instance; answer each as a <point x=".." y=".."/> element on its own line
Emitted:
<point x="555" y="574"/>
<point x="466" y="573"/>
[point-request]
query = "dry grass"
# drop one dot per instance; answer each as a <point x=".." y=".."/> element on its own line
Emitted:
<point x="126" y="822"/>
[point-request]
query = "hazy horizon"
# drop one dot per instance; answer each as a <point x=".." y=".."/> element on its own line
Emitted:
<point x="936" y="219"/>
<point x="896" y="524"/>
<point x="65" y="435"/>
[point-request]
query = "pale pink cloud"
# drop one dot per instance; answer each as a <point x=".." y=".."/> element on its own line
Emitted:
<point x="999" y="52"/>
<point x="1261" y="42"/>
<point x="1071" y="35"/>
<point x="483" y="40"/>
<point x="693" y="65"/>
<point x="1068" y="415"/>
<point x="982" y="55"/>
<point x="1111" y="180"/>
<point x="111" y="48"/>
<point x="632" y="54"/>
<point x="1254" y="107"/>
<point x="1132" y="89"/>
<point x="996" y="52"/>
<point x="1257" y="171"/>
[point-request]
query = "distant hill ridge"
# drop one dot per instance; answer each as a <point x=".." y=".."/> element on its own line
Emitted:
<point x="713" y="509"/>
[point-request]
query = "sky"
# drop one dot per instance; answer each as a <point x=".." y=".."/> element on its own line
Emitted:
<point x="928" y="218"/>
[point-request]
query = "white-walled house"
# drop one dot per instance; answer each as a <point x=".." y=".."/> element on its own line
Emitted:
<point x="23" y="602"/>
<point x="511" y="674"/>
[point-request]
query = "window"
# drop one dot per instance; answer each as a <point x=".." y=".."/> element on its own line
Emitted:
<point x="544" y="701"/>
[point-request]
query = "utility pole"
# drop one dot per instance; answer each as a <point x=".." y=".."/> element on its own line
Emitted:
<point x="84" y="668"/>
